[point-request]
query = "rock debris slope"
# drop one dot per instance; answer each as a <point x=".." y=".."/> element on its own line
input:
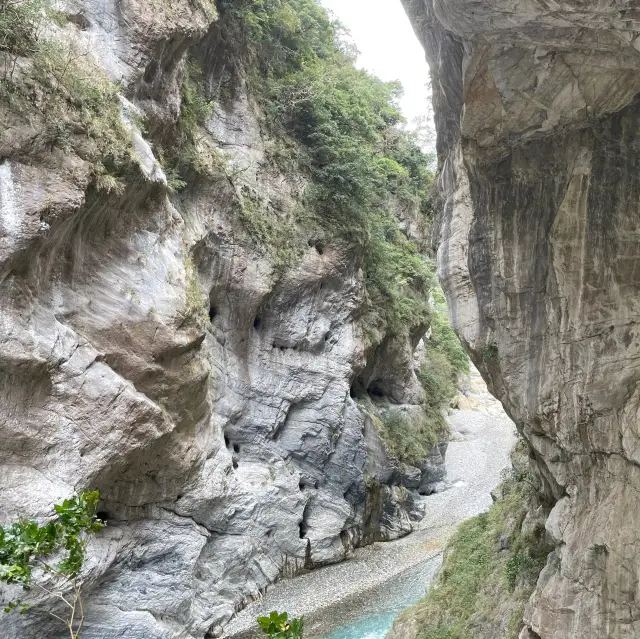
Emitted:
<point x="539" y="255"/>
<point x="149" y="348"/>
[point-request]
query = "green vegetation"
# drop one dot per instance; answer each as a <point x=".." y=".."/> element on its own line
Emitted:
<point x="61" y="94"/>
<point x="279" y="626"/>
<point x="49" y="557"/>
<point x="188" y="150"/>
<point x="279" y="238"/>
<point x="445" y="360"/>
<point x="19" y="22"/>
<point x="444" y="339"/>
<point x="484" y="581"/>
<point x="489" y="352"/>
<point x="342" y="128"/>
<point x="196" y="305"/>
<point x="409" y="436"/>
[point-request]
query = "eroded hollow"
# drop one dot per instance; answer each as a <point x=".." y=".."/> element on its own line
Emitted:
<point x="375" y="390"/>
<point x="304" y="524"/>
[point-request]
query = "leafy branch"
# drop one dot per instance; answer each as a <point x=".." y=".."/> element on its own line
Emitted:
<point x="279" y="626"/>
<point x="50" y="557"/>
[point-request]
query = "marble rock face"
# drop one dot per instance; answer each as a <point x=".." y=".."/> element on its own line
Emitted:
<point x="149" y="349"/>
<point x="539" y="253"/>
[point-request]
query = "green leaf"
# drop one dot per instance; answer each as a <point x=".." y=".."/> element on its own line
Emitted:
<point x="25" y="543"/>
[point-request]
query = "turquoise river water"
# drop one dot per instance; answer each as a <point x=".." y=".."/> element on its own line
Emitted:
<point x="371" y="616"/>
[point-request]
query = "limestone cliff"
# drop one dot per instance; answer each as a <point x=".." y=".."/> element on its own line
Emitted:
<point x="221" y="396"/>
<point x="538" y="252"/>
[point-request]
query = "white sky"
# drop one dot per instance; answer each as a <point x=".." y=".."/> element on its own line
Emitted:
<point x="388" y="47"/>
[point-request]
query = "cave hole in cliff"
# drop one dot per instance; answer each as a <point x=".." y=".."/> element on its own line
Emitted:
<point x="375" y="389"/>
<point x="151" y="71"/>
<point x="226" y="441"/>
<point x="234" y="463"/>
<point x="358" y="388"/>
<point x="213" y="312"/>
<point x="318" y="245"/>
<point x="236" y="448"/>
<point x="80" y="20"/>
<point x="306" y="482"/>
<point x="304" y="524"/>
<point x="103" y="516"/>
<point x="257" y="323"/>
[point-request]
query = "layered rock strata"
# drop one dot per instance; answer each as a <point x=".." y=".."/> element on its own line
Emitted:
<point x="151" y="350"/>
<point x="539" y="255"/>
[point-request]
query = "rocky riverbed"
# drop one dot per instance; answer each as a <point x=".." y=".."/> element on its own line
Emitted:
<point x="358" y="598"/>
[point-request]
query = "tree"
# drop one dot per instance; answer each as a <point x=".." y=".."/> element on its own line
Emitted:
<point x="278" y="626"/>
<point x="49" y="558"/>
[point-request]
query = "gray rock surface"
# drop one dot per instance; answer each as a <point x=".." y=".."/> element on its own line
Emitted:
<point x="538" y="253"/>
<point x="151" y="350"/>
<point x="380" y="578"/>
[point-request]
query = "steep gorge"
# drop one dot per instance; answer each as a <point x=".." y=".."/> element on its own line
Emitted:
<point x="183" y="329"/>
<point x="537" y="120"/>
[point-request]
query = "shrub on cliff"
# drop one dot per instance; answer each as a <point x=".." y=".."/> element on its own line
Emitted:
<point x="19" y="23"/>
<point x="490" y="569"/>
<point x="53" y="88"/>
<point x="342" y="127"/>
<point x="409" y="438"/>
<point x="48" y="558"/>
<point x="444" y="360"/>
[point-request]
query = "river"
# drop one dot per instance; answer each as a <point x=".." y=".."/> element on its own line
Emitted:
<point x="360" y="597"/>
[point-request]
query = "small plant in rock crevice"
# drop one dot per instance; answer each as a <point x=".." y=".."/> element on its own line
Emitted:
<point x="196" y="302"/>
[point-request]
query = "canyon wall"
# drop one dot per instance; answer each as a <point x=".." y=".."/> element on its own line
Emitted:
<point x="223" y="403"/>
<point x="539" y="256"/>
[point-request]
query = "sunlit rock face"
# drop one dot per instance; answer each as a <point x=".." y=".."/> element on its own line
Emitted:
<point x="539" y="253"/>
<point x="150" y="349"/>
